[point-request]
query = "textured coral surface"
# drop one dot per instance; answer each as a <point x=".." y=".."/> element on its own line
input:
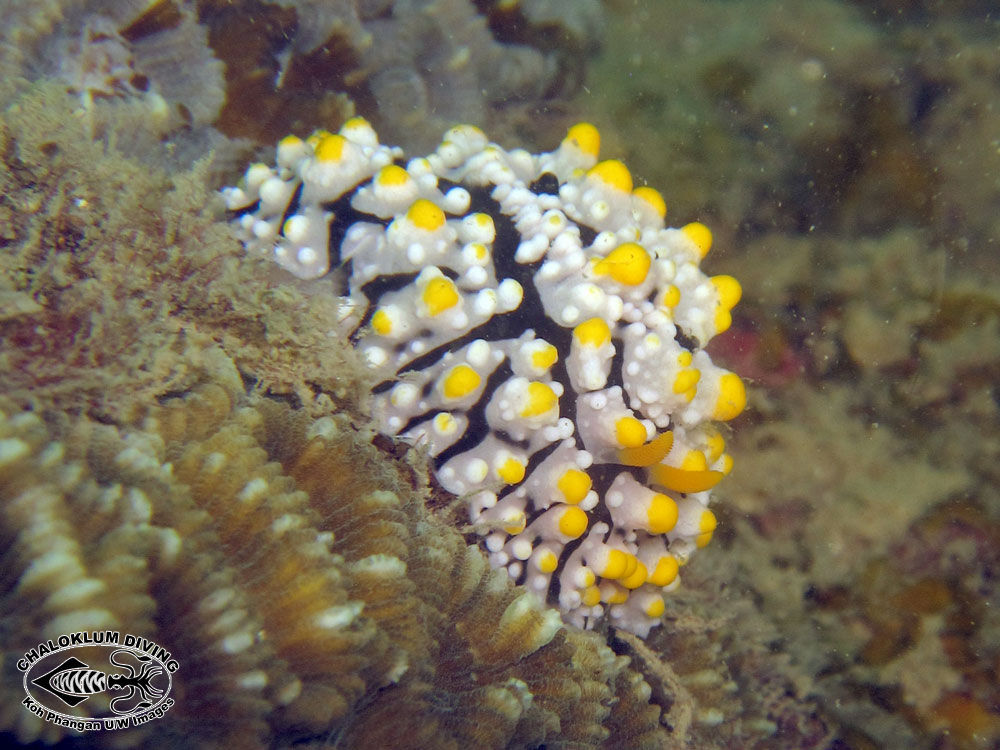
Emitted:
<point x="296" y="575"/>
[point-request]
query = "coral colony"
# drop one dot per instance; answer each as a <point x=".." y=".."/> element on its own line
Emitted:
<point x="532" y="323"/>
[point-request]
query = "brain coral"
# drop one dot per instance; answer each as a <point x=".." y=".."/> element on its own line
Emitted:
<point x="296" y="576"/>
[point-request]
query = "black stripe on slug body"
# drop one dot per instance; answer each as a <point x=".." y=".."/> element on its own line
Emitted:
<point x="344" y="217"/>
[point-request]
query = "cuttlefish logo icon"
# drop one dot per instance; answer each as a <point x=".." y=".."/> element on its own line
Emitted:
<point x="98" y="680"/>
<point x="73" y="682"/>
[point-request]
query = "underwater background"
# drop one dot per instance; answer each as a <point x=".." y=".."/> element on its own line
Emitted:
<point x="846" y="156"/>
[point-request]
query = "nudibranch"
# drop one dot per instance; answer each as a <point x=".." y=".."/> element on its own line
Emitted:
<point x="532" y="321"/>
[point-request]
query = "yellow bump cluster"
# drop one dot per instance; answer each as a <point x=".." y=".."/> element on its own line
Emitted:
<point x="617" y="564"/>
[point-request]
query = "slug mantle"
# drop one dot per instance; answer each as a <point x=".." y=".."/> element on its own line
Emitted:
<point x="533" y="322"/>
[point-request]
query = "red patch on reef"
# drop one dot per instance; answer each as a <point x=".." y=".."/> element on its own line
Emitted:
<point x="759" y="353"/>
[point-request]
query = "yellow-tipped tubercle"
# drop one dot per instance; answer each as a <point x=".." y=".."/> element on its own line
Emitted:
<point x="460" y="382"/>
<point x="572" y="522"/>
<point x="541" y="399"/>
<point x="544" y="357"/>
<point x="381" y="323"/>
<point x="636" y="578"/>
<point x="661" y="514"/>
<point x="425" y="215"/>
<point x="612" y="173"/>
<point x="665" y="571"/>
<point x="729" y="292"/>
<point x="594" y="332"/>
<point x="694" y="460"/>
<point x="630" y="432"/>
<point x="656" y="608"/>
<point x="627" y="264"/>
<point x="671" y="297"/>
<point x="585" y="137"/>
<point x="330" y="148"/>
<point x="706" y="527"/>
<point x="511" y="471"/>
<point x="591" y="596"/>
<point x="700" y="235"/>
<point x="440" y="294"/>
<point x="392" y="175"/>
<point x="653" y="198"/>
<point x="516" y="523"/>
<point x="732" y="399"/>
<point x="715" y="445"/>
<point x="574" y="485"/>
<point x="616" y="565"/>
<point x="547" y="561"/>
<point x="613" y="593"/>
<point x="686" y="380"/>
